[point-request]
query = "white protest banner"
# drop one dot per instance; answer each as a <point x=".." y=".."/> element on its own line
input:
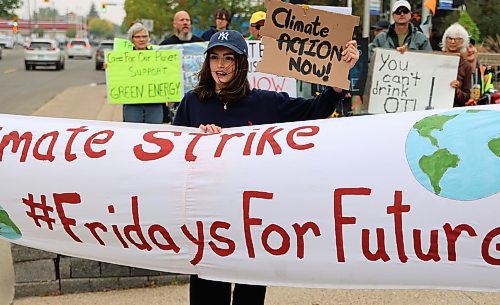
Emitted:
<point x="411" y="81"/>
<point x="135" y="77"/>
<point x="266" y="204"/>
<point x="306" y="44"/>
<point x="263" y="80"/>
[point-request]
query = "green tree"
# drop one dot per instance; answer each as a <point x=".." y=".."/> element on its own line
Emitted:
<point x="7" y="7"/>
<point x="100" y="28"/>
<point x="162" y="12"/>
<point x="92" y="12"/>
<point x="46" y="13"/>
<point x="466" y="21"/>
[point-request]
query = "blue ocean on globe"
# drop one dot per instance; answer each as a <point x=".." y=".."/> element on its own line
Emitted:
<point x="463" y="162"/>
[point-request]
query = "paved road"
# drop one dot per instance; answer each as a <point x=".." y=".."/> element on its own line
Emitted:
<point x="23" y="92"/>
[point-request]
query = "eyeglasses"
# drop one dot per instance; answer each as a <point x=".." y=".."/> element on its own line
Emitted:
<point x="454" y="38"/>
<point x="257" y="26"/>
<point x="222" y="18"/>
<point x="403" y="10"/>
<point x="141" y="37"/>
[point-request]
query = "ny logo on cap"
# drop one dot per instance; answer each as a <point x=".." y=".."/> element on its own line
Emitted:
<point x="223" y="36"/>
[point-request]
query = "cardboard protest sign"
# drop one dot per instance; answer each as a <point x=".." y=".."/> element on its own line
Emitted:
<point x="411" y="81"/>
<point x="266" y="81"/>
<point x="135" y="77"/>
<point x="306" y="44"/>
<point x="193" y="55"/>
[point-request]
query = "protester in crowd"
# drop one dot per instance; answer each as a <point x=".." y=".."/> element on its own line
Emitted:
<point x="256" y="22"/>
<point x="182" y="30"/>
<point x="223" y="99"/>
<point x="141" y="113"/>
<point x="455" y="40"/>
<point x="379" y="27"/>
<point x="182" y="34"/>
<point x="482" y="78"/>
<point x="222" y="21"/>
<point x="402" y="35"/>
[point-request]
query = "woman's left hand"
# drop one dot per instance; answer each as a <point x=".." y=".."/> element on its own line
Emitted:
<point x="351" y="55"/>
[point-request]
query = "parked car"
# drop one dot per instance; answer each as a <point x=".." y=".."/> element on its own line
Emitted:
<point x="99" y="53"/>
<point x="7" y="41"/>
<point x="79" y="47"/>
<point x="43" y="52"/>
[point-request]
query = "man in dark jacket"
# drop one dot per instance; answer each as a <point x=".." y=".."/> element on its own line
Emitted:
<point x="401" y="35"/>
<point x="182" y="30"/>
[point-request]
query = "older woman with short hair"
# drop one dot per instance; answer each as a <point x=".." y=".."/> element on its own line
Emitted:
<point x="455" y="40"/>
<point x="141" y="113"/>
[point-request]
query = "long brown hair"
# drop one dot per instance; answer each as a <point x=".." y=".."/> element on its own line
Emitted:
<point x="235" y="90"/>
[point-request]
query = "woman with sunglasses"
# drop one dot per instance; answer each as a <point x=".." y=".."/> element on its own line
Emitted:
<point x="223" y="99"/>
<point x="456" y="40"/>
<point x="401" y="35"/>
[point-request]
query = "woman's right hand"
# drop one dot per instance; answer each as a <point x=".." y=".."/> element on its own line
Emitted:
<point x="210" y="128"/>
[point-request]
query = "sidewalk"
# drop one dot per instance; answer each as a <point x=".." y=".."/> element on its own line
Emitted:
<point x="88" y="102"/>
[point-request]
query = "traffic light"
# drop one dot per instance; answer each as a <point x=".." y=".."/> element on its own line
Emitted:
<point x="103" y="7"/>
<point x="15" y="24"/>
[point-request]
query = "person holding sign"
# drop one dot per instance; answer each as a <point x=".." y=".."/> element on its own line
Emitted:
<point x="223" y="99"/>
<point x="402" y="35"/>
<point x="141" y="113"/>
<point x="456" y="40"/>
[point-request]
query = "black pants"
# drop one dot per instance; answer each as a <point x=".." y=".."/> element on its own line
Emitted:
<point x="205" y="292"/>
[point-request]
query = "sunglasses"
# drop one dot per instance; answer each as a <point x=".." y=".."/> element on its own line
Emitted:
<point x="257" y="26"/>
<point x="403" y="10"/>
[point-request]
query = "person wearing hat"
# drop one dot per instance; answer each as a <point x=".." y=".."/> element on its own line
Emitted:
<point x="256" y="22"/>
<point x="223" y="99"/>
<point x="402" y="35"/>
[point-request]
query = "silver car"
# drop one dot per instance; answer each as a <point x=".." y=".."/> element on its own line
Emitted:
<point x="79" y="47"/>
<point x="43" y="52"/>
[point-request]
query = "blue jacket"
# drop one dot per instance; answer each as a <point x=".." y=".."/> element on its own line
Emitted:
<point x="256" y="108"/>
<point x="208" y="33"/>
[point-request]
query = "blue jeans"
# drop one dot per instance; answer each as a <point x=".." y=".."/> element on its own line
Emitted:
<point x="143" y="113"/>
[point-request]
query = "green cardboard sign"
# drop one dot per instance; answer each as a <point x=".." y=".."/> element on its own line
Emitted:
<point x="120" y="44"/>
<point x="144" y="77"/>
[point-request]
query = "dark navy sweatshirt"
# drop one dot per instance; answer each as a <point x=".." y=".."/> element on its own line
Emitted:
<point x="256" y="108"/>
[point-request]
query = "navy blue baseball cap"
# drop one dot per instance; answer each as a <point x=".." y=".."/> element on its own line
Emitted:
<point x="230" y="39"/>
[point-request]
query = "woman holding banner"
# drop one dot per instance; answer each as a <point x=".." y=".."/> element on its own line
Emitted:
<point x="455" y="40"/>
<point x="141" y="113"/>
<point x="223" y="99"/>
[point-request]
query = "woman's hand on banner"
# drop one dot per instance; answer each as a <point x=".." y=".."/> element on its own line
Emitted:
<point x="351" y="54"/>
<point x="210" y="128"/>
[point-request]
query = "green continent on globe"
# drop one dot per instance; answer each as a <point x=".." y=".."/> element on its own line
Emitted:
<point x="425" y="126"/>
<point x="5" y="219"/>
<point x="435" y="165"/>
<point x="494" y="146"/>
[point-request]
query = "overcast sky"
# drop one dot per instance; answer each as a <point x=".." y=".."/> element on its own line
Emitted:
<point x="115" y="13"/>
